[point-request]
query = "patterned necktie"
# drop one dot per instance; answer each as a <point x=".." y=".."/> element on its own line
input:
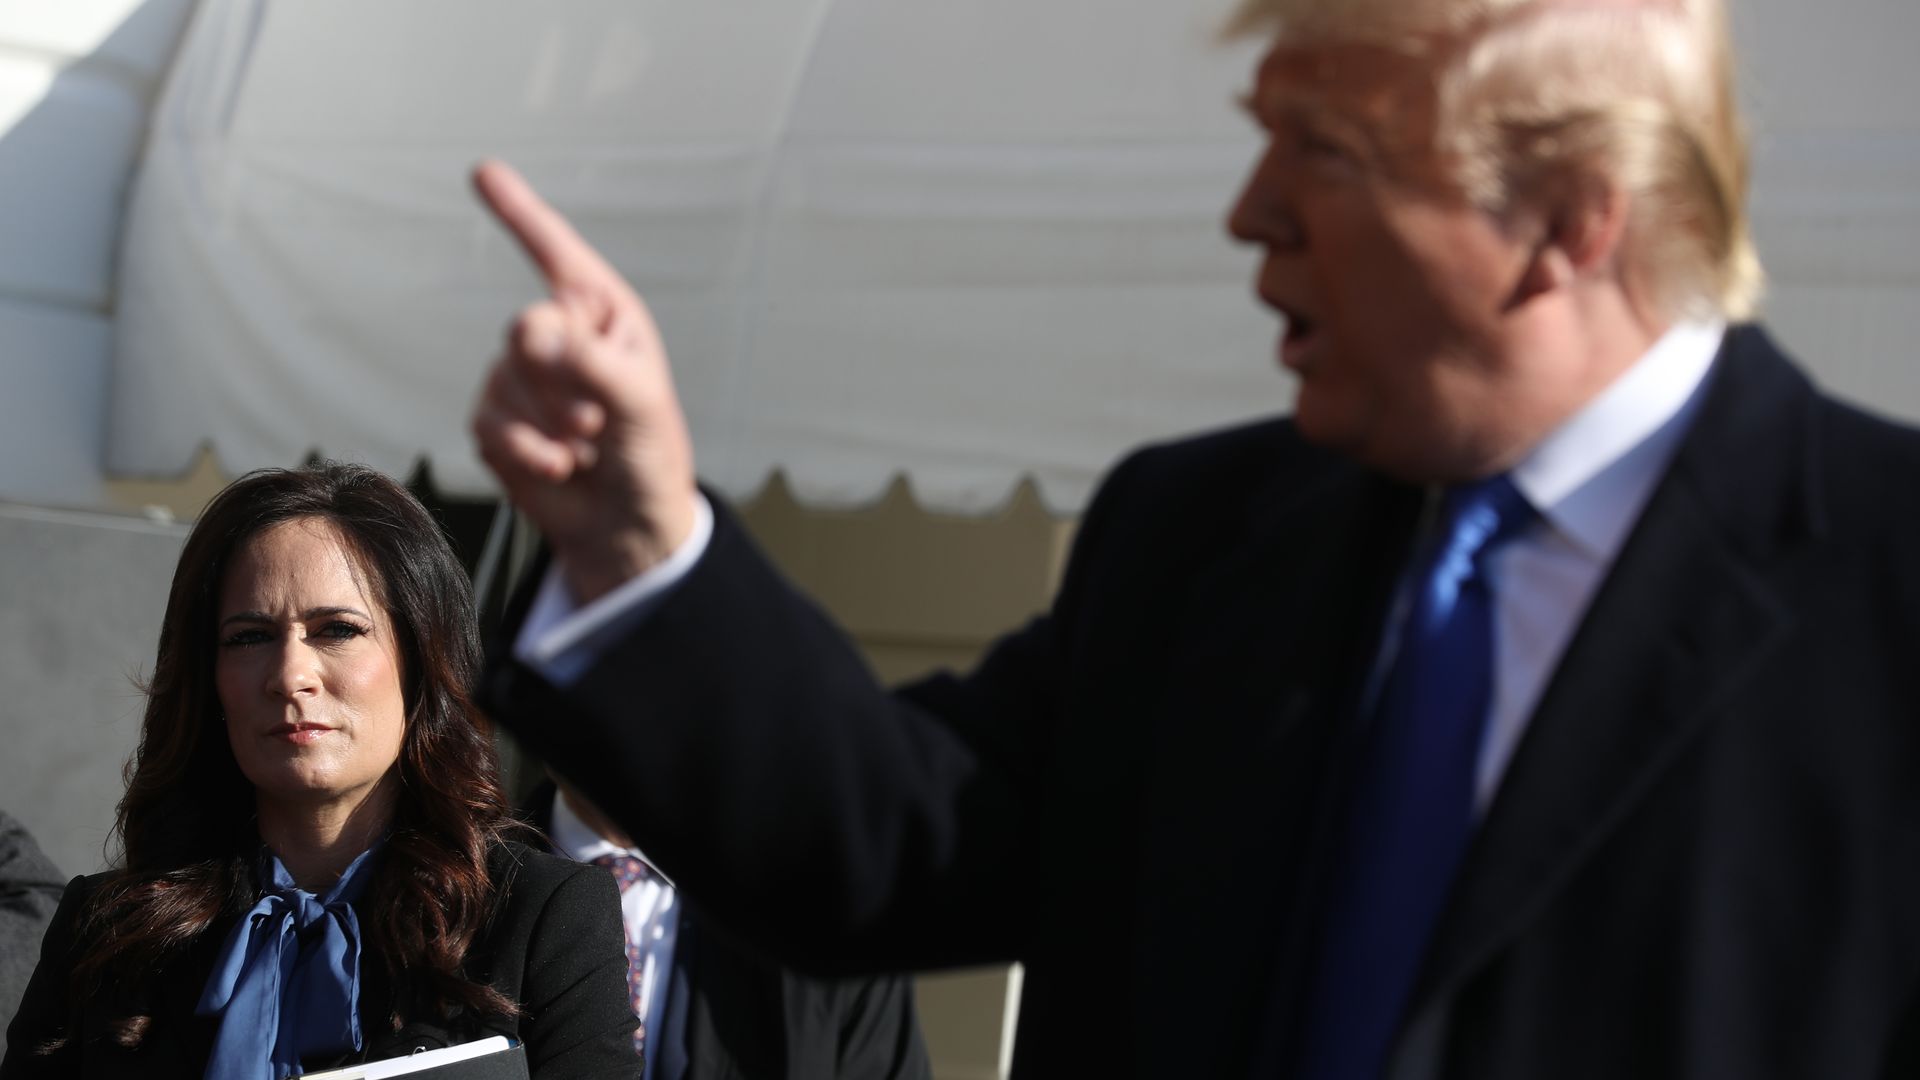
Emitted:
<point x="630" y="872"/>
<point x="1412" y="805"/>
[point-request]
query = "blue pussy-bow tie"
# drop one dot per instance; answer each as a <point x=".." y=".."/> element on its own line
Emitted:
<point x="287" y="983"/>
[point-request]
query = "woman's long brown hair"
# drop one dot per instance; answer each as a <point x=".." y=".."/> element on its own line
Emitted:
<point x="186" y="825"/>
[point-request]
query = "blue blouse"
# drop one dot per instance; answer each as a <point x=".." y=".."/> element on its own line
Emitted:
<point x="287" y="983"/>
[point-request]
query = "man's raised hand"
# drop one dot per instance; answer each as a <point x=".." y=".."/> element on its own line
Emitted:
<point x="578" y="416"/>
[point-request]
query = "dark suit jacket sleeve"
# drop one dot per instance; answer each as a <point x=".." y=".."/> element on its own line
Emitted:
<point x="30" y="888"/>
<point x="577" y="1021"/>
<point x="43" y="1015"/>
<point x="741" y="740"/>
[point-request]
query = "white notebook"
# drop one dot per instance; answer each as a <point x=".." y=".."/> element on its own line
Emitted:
<point x="419" y="1062"/>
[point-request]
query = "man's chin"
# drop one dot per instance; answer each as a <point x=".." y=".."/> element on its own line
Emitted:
<point x="1344" y="434"/>
<point x="1324" y="426"/>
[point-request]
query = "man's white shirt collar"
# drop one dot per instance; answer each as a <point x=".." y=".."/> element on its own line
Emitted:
<point x="577" y="840"/>
<point x="1590" y="476"/>
<point x="1589" y="479"/>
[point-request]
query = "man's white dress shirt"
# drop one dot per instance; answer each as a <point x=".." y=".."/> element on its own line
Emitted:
<point x="648" y="909"/>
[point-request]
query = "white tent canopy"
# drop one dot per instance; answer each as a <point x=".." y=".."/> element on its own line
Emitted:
<point x="880" y="235"/>
<point x="967" y="243"/>
<point x="77" y="80"/>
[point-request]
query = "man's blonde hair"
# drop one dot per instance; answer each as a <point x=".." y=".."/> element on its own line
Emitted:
<point x="1537" y="93"/>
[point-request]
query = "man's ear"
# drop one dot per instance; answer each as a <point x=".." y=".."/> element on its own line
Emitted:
<point x="1582" y="220"/>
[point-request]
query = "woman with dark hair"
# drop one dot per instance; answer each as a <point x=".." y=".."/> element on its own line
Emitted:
<point x="316" y="866"/>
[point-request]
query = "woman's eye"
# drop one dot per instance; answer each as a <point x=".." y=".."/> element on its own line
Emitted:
<point x="244" y="637"/>
<point x="340" y="631"/>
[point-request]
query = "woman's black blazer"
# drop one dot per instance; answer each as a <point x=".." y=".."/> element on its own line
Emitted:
<point x="555" y="944"/>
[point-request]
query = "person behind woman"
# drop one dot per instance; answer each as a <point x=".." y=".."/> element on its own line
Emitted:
<point x="316" y="865"/>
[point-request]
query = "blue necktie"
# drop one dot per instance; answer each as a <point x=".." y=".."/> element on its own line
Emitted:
<point x="1411" y="809"/>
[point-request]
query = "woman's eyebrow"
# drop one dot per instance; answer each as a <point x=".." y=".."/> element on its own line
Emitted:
<point x="322" y="612"/>
<point x="306" y="616"/>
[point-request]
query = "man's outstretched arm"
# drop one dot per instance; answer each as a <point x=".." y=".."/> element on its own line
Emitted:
<point x="733" y="730"/>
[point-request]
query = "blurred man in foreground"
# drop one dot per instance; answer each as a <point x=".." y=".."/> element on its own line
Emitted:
<point x="1537" y="701"/>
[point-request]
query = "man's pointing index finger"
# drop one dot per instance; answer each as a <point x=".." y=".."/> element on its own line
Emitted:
<point x="564" y="259"/>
